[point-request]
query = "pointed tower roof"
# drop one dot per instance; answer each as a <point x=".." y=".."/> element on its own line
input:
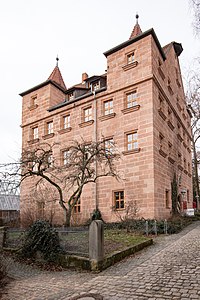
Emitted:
<point x="56" y="76"/>
<point x="136" y="30"/>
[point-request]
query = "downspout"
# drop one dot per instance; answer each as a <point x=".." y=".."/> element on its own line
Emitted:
<point x="95" y="140"/>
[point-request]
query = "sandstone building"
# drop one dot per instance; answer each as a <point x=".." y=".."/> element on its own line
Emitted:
<point x="139" y="104"/>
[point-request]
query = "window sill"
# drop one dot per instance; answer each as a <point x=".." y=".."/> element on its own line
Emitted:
<point x="131" y="151"/>
<point x="107" y="117"/>
<point x="162" y="153"/>
<point x="130" y="66"/>
<point x="48" y="136"/>
<point x="61" y="131"/>
<point x="161" y="113"/>
<point x="34" y="141"/>
<point x="32" y="107"/>
<point x="130" y="109"/>
<point x="88" y="123"/>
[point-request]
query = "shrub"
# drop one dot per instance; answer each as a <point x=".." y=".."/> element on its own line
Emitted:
<point x="43" y="238"/>
<point x="3" y="272"/>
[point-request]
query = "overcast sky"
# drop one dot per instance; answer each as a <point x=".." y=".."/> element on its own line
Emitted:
<point x="34" y="32"/>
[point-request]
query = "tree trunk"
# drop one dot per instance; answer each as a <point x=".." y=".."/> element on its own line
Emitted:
<point x="68" y="217"/>
<point x="196" y="177"/>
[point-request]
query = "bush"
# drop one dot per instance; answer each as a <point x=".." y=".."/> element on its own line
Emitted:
<point x="43" y="238"/>
<point x="3" y="272"/>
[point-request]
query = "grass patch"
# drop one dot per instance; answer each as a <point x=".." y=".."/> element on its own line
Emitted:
<point x="116" y="240"/>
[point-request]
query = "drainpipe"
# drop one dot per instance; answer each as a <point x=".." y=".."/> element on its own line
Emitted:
<point x="95" y="140"/>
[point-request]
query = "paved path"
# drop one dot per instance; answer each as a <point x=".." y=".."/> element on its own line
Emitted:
<point x="169" y="269"/>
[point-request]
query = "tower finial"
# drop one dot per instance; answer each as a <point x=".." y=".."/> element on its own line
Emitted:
<point x="137" y="17"/>
<point x="57" y="60"/>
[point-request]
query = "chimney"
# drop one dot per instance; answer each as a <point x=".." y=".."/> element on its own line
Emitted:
<point x="84" y="77"/>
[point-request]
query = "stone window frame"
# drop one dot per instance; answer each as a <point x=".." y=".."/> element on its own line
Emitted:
<point x="64" y="156"/>
<point x="120" y="201"/>
<point x="109" y="110"/>
<point x="133" y="142"/>
<point x="77" y="207"/>
<point x="110" y="146"/>
<point x="111" y="113"/>
<point x="63" y="128"/>
<point x="86" y="121"/>
<point x="32" y="137"/>
<point x="130" y="63"/>
<point x="33" y="102"/>
<point x="48" y="130"/>
<point x="167" y="198"/>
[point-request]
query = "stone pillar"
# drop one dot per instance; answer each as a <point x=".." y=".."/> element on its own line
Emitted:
<point x="96" y="241"/>
<point x="2" y="236"/>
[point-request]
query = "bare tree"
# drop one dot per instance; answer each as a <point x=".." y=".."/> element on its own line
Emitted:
<point x="195" y="5"/>
<point x="193" y="100"/>
<point x="83" y="164"/>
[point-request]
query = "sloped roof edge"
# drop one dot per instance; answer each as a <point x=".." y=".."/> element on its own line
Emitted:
<point x="135" y="39"/>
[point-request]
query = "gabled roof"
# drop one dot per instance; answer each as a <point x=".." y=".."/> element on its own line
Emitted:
<point x="57" y="77"/>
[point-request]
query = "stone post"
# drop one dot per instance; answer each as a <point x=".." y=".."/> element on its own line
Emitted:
<point x="96" y="244"/>
<point x="2" y="236"/>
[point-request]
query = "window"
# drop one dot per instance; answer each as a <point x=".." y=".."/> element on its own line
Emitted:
<point x="132" y="141"/>
<point x="119" y="200"/>
<point x="167" y="199"/>
<point x="35" y="133"/>
<point x="66" y="122"/>
<point x="50" y="127"/>
<point x="109" y="146"/>
<point x="65" y="157"/>
<point x="130" y="58"/>
<point x="33" y="102"/>
<point x="96" y="85"/>
<point x="87" y="114"/>
<point x="77" y="207"/>
<point x="108" y="107"/>
<point x="71" y="96"/>
<point x="131" y="99"/>
<point x="50" y="160"/>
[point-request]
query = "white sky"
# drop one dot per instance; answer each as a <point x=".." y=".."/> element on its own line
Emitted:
<point x="33" y="32"/>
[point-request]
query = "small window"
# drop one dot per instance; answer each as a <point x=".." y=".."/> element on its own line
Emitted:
<point x="189" y="168"/>
<point x="87" y="114"/>
<point x="50" y="160"/>
<point x="167" y="199"/>
<point x="50" y="127"/>
<point x="66" y="122"/>
<point x="131" y="99"/>
<point x="109" y="146"/>
<point x="96" y="85"/>
<point x="132" y="141"/>
<point x="65" y="157"/>
<point x="77" y="207"/>
<point x="119" y="200"/>
<point x="35" y="133"/>
<point x="71" y="96"/>
<point x="130" y="58"/>
<point x="33" y="102"/>
<point x="185" y="164"/>
<point x="108" y="107"/>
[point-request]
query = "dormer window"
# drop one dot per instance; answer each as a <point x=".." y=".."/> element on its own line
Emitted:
<point x="71" y="96"/>
<point x="96" y="85"/>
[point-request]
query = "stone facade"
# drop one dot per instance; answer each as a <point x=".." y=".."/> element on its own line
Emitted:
<point x="140" y="104"/>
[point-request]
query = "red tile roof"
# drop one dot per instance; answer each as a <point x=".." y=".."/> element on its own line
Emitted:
<point x="57" y="77"/>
